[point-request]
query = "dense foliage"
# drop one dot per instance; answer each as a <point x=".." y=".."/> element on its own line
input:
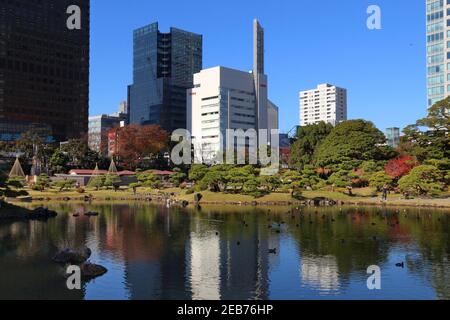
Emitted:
<point x="429" y="138"/>
<point x="307" y="140"/>
<point x="399" y="167"/>
<point x="354" y="154"/>
<point x="423" y="180"/>
<point x="138" y="144"/>
<point x="350" y="143"/>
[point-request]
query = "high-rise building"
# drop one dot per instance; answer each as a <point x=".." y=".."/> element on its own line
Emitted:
<point x="44" y="68"/>
<point x="393" y="137"/>
<point x="438" y="50"/>
<point x="326" y="103"/>
<point x="224" y="98"/>
<point x="123" y="107"/>
<point x="163" y="69"/>
<point x="99" y="127"/>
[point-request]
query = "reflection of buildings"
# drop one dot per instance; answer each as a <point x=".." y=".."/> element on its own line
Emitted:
<point x="244" y="269"/>
<point x="221" y="269"/>
<point x="205" y="266"/>
<point x="320" y="272"/>
<point x="154" y="251"/>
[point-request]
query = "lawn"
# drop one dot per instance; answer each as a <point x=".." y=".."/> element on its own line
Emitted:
<point x="361" y="196"/>
<point x="209" y="196"/>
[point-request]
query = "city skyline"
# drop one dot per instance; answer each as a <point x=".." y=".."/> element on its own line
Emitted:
<point x="302" y="62"/>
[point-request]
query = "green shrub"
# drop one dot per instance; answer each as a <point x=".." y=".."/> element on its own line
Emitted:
<point x="379" y="179"/>
<point x="422" y="180"/>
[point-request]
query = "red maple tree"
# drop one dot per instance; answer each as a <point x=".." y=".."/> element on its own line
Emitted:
<point x="399" y="167"/>
<point x="135" y="143"/>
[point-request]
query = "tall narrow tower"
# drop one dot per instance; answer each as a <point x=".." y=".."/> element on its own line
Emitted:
<point x="261" y="85"/>
<point x="258" y="48"/>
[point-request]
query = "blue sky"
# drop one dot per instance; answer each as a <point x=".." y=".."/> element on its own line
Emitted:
<point x="307" y="42"/>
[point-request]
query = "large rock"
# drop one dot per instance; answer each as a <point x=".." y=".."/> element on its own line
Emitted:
<point x="73" y="256"/>
<point x="42" y="214"/>
<point x="91" y="271"/>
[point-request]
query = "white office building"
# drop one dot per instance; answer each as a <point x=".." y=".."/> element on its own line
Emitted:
<point x="224" y="98"/>
<point x="326" y="103"/>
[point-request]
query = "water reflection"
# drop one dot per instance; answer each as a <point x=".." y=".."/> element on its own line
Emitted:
<point x="154" y="252"/>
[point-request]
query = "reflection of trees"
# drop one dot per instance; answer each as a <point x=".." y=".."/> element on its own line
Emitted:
<point x="31" y="274"/>
<point x="350" y="238"/>
<point x="152" y="241"/>
<point x="431" y="234"/>
<point x="155" y="246"/>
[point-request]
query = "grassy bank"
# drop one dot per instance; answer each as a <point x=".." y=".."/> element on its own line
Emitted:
<point x="361" y="197"/>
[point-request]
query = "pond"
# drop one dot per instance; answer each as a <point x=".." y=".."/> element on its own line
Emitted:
<point x="154" y="252"/>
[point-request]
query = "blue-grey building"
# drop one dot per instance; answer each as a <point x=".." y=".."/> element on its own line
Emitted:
<point x="163" y="68"/>
<point x="393" y="137"/>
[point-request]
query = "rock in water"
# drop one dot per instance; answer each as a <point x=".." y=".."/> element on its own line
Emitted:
<point x="91" y="271"/>
<point x="91" y="214"/>
<point x="42" y="214"/>
<point x="73" y="256"/>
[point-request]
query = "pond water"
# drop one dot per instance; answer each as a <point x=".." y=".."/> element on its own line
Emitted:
<point x="153" y="252"/>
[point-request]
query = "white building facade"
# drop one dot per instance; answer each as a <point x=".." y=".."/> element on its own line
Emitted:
<point x="326" y="103"/>
<point x="224" y="98"/>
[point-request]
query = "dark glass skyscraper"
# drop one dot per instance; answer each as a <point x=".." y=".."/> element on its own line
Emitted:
<point x="44" y="68"/>
<point x="163" y="68"/>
